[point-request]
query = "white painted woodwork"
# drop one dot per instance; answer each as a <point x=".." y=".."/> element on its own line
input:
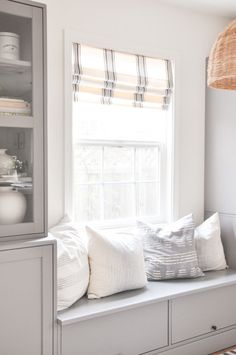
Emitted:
<point x="154" y="292"/>
<point x="203" y="313"/>
<point x="26" y="301"/>
<point x="140" y="317"/>
<point x="130" y="332"/>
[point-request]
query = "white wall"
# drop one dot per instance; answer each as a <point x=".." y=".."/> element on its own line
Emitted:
<point x="153" y="28"/>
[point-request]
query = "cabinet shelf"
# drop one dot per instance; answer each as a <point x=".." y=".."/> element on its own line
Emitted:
<point x="14" y="66"/>
<point x="16" y="121"/>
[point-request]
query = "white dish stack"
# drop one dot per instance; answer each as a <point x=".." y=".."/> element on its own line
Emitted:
<point x="9" y="46"/>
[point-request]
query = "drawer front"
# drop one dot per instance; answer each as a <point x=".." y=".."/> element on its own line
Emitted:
<point x="130" y="332"/>
<point x="203" y="313"/>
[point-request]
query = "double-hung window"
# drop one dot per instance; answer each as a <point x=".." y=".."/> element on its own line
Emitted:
<point x="120" y="135"/>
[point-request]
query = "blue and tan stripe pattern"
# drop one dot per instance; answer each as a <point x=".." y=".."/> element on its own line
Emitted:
<point x="228" y="351"/>
<point x="169" y="252"/>
<point x="109" y="77"/>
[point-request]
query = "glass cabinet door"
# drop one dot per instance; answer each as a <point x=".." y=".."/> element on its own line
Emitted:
<point x="22" y="139"/>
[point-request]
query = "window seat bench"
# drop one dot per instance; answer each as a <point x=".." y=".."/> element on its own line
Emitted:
<point x="191" y="316"/>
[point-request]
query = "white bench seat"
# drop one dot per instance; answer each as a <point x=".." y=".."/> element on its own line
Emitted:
<point x="165" y="317"/>
<point x="153" y="292"/>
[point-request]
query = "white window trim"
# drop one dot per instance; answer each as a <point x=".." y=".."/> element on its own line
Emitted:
<point x="173" y="168"/>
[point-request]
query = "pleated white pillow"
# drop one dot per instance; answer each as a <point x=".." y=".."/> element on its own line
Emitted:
<point x="209" y="245"/>
<point x="72" y="265"/>
<point x="116" y="263"/>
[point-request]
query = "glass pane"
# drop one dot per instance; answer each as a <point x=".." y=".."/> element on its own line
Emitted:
<point x="119" y="201"/>
<point x="87" y="163"/>
<point x="114" y="122"/>
<point x="15" y="65"/>
<point x="118" y="164"/>
<point x="87" y="202"/>
<point x="147" y="163"/>
<point x="148" y="199"/>
<point x="16" y="172"/>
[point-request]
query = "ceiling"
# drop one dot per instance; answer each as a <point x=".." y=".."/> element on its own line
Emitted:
<point x="225" y="8"/>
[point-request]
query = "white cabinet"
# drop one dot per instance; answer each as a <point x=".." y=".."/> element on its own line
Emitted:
<point x="27" y="280"/>
<point x="26" y="300"/>
<point x="23" y="122"/>
<point x="203" y="313"/>
<point x="131" y="332"/>
<point x="171" y="317"/>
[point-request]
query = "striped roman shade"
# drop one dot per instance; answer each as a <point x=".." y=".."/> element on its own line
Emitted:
<point x="109" y="77"/>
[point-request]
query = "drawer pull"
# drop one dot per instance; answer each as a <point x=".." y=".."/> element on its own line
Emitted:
<point x="213" y="327"/>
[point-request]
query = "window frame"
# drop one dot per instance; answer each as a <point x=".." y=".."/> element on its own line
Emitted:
<point x="160" y="180"/>
<point x="169" y="175"/>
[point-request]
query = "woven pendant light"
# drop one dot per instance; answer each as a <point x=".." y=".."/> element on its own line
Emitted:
<point x="222" y="60"/>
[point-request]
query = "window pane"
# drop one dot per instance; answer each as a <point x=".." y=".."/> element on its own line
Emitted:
<point x="87" y="202"/>
<point x="114" y="122"/>
<point x="147" y="163"/>
<point x="118" y="164"/>
<point x="87" y="163"/>
<point x="148" y="199"/>
<point x="119" y="201"/>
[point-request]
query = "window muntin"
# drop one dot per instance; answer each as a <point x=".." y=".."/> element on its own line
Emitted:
<point x="116" y="181"/>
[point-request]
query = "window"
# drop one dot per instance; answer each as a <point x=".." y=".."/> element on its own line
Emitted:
<point x="119" y="138"/>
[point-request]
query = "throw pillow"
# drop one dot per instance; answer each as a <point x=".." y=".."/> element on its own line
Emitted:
<point x="116" y="263"/>
<point x="72" y="265"/>
<point x="209" y="245"/>
<point x="169" y="251"/>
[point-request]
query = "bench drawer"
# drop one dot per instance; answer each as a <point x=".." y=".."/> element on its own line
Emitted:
<point x="203" y="313"/>
<point x="129" y="332"/>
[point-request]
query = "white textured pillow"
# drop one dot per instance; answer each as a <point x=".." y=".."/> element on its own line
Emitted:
<point x="116" y="263"/>
<point x="72" y="265"/>
<point x="209" y="245"/>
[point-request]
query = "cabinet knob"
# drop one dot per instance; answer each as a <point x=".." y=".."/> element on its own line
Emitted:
<point x="213" y="327"/>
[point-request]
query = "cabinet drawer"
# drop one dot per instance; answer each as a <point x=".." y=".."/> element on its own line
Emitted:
<point x="129" y="332"/>
<point x="203" y="313"/>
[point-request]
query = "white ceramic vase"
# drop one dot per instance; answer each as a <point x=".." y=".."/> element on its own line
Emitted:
<point x="12" y="206"/>
<point x="6" y="162"/>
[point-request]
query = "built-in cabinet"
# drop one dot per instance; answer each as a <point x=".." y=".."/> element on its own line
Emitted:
<point x="177" y="317"/>
<point x="22" y="119"/>
<point x="27" y="298"/>
<point x="27" y="255"/>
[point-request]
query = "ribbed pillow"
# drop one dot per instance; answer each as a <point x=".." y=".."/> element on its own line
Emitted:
<point x="169" y="251"/>
<point x="116" y="263"/>
<point x="72" y="265"/>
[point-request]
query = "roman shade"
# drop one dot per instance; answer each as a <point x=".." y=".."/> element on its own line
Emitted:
<point x="109" y="77"/>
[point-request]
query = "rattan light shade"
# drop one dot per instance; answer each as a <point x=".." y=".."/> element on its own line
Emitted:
<point x="222" y="60"/>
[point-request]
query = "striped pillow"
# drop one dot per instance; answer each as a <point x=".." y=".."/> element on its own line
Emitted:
<point x="169" y="251"/>
<point x="72" y="264"/>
